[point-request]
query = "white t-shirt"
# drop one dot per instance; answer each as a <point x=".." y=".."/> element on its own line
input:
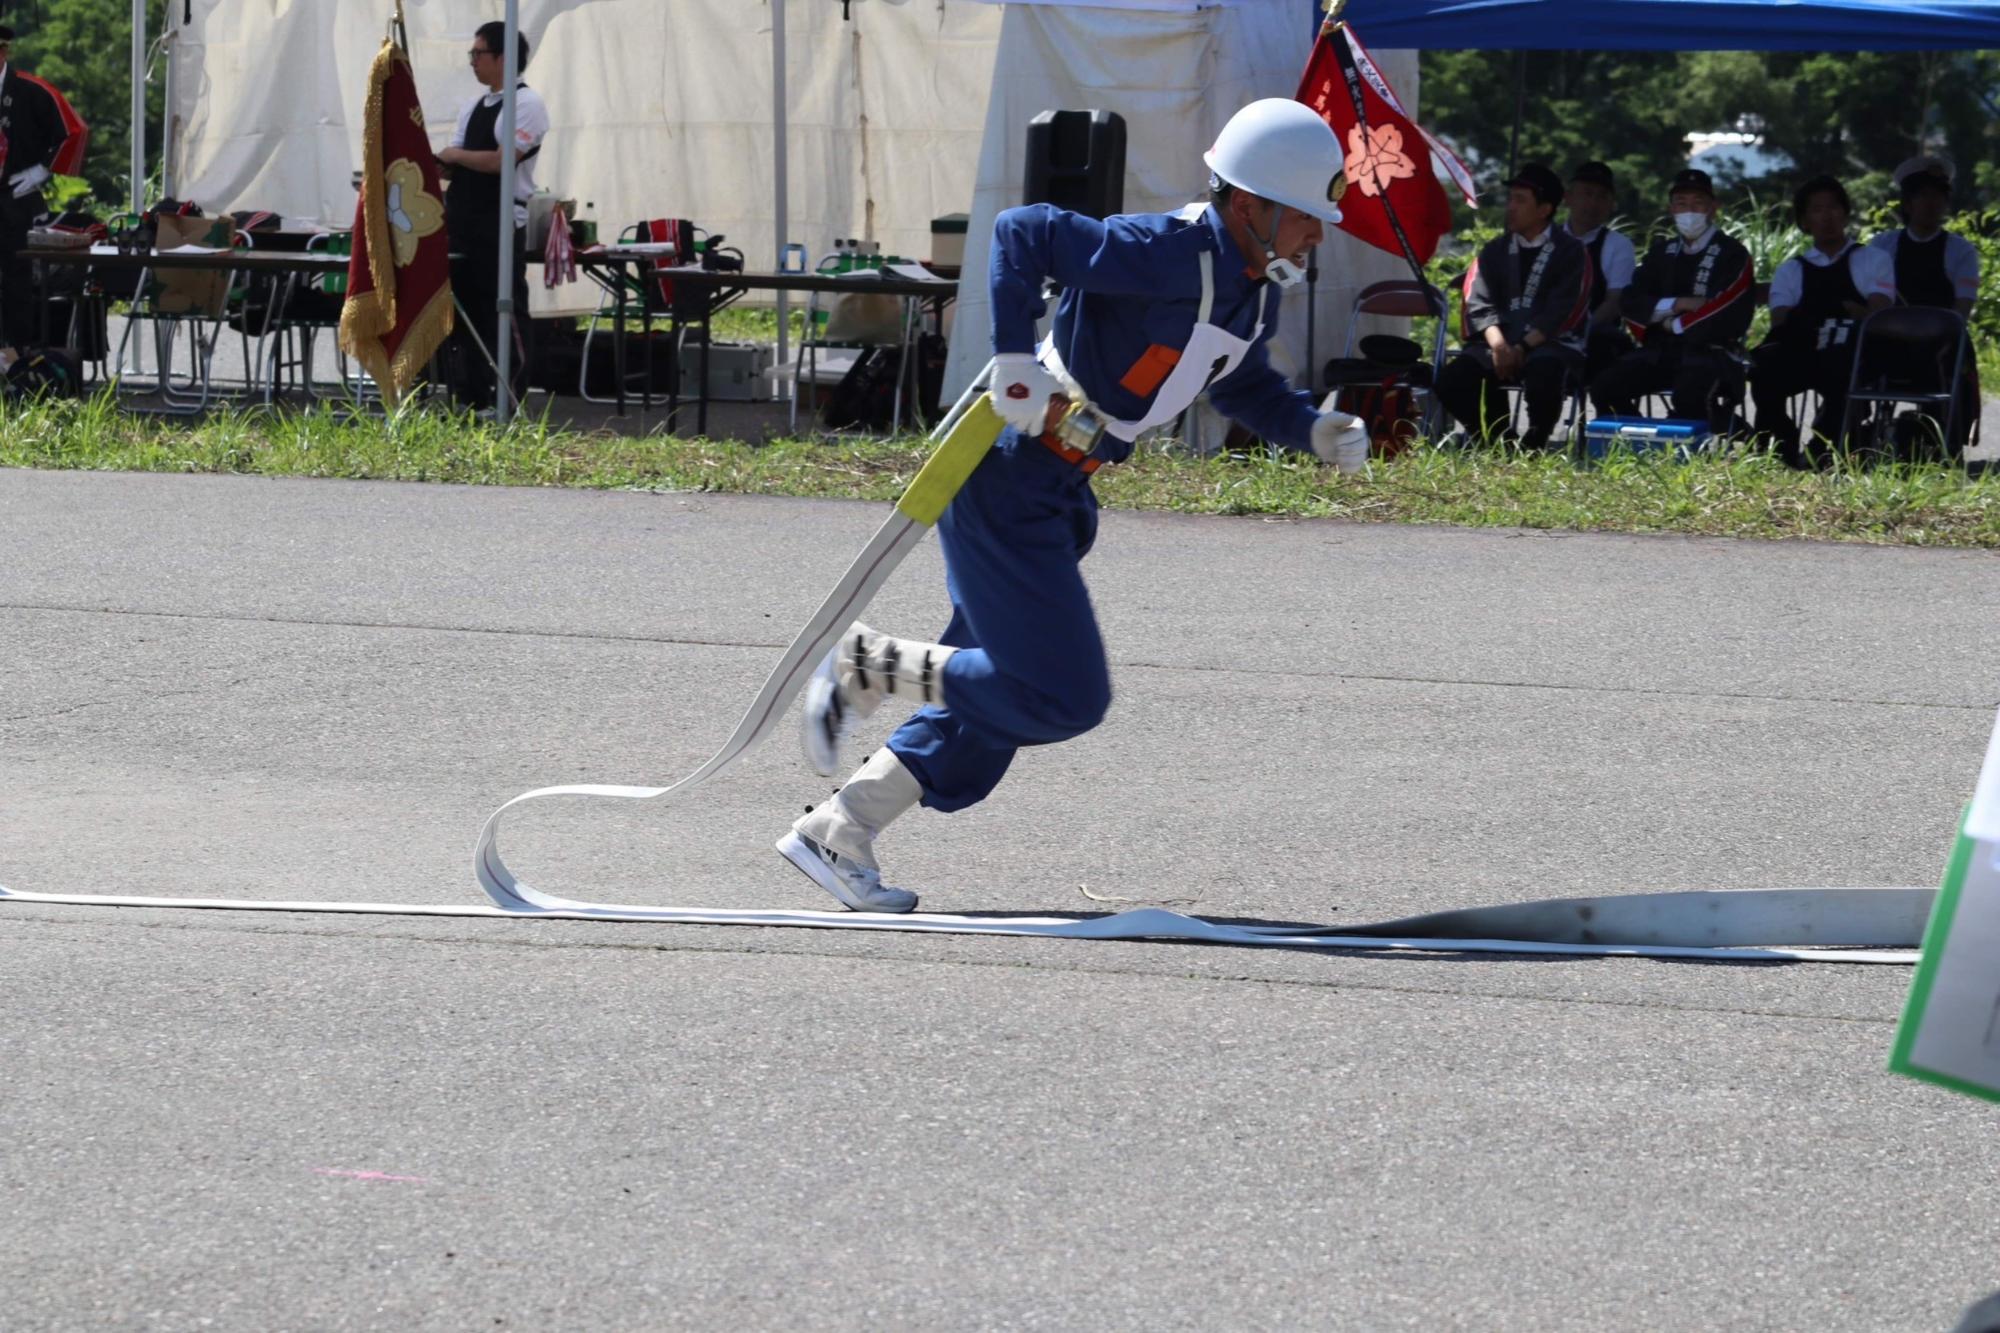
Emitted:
<point x="531" y="124"/>
<point x="1874" y="274"/>
<point x="1618" y="259"/>
<point x="1961" y="260"/>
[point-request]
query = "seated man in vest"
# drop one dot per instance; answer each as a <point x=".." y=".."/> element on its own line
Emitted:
<point x="1689" y="304"/>
<point x="1934" y="267"/>
<point x="1527" y="303"/>
<point x="1591" y="201"/>
<point x="1817" y="303"/>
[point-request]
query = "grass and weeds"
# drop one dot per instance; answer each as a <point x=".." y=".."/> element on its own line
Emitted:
<point x="1737" y="497"/>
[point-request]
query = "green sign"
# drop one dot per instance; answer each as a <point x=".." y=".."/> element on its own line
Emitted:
<point x="1950" y="1033"/>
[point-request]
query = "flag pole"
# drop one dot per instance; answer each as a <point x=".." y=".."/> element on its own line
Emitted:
<point x="781" y="203"/>
<point x="1333" y="28"/>
<point x="138" y="135"/>
<point x="503" y="397"/>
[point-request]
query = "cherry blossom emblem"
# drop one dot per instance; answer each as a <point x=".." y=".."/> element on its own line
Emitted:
<point x="1378" y="161"/>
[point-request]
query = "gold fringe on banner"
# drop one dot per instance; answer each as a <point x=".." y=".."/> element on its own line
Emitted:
<point x="368" y="316"/>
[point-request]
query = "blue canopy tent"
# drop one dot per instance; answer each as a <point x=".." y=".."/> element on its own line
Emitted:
<point x="1677" y="25"/>
<point x="1670" y="25"/>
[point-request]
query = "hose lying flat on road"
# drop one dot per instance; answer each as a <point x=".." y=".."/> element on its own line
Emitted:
<point x="1757" y="925"/>
<point x="1891" y="919"/>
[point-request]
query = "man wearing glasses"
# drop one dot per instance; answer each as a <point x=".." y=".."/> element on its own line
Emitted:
<point x="472" y="207"/>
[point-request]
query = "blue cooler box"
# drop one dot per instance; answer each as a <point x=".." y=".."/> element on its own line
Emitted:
<point x="1642" y="434"/>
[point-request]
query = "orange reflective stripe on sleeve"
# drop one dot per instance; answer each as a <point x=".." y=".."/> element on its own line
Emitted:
<point x="1150" y="371"/>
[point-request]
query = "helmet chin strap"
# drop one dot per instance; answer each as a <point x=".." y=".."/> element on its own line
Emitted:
<point x="1278" y="269"/>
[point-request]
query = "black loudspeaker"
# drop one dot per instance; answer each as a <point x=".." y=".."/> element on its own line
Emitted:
<point x="1076" y="160"/>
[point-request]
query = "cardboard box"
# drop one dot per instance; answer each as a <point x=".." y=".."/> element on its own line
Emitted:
<point x="192" y="291"/>
<point x="948" y="240"/>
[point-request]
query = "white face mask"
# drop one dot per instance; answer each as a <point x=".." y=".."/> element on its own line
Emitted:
<point x="1278" y="269"/>
<point x="1691" y="225"/>
<point x="1284" y="273"/>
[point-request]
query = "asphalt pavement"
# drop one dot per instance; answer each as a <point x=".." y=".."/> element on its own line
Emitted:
<point x="288" y="689"/>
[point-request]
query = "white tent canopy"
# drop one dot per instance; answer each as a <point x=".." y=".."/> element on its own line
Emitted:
<point x="658" y="108"/>
<point x="663" y="108"/>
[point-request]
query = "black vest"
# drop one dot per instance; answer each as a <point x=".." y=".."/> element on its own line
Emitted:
<point x="1920" y="275"/>
<point x="472" y="199"/>
<point x="25" y="116"/>
<point x="1596" y="249"/>
<point x="1824" y="292"/>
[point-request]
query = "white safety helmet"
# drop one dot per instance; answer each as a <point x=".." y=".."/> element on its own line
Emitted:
<point x="1281" y="150"/>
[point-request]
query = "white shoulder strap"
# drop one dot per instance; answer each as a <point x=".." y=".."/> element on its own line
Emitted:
<point x="1207" y="287"/>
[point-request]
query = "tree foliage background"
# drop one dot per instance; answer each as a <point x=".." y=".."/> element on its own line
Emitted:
<point x="1852" y="115"/>
<point x="84" y="47"/>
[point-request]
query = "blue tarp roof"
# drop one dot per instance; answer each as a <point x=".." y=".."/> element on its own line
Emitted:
<point x="1677" y="25"/>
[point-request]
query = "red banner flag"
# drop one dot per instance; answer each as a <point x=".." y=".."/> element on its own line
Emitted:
<point x="1394" y="200"/>
<point x="399" y="275"/>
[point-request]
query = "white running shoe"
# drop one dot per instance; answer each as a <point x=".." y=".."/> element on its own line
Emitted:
<point x="857" y="886"/>
<point x="834" y="842"/>
<point x="861" y="670"/>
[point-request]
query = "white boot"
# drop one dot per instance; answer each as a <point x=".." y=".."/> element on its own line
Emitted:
<point x="861" y="670"/>
<point x="835" y="841"/>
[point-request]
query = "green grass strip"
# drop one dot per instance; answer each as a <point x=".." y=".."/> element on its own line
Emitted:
<point x="1730" y="497"/>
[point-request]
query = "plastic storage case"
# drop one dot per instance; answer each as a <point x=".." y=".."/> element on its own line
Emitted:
<point x="1683" y="439"/>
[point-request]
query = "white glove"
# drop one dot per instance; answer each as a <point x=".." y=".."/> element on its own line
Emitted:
<point x="1340" y="439"/>
<point x="1021" y="391"/>
<point x="27" y="182"/>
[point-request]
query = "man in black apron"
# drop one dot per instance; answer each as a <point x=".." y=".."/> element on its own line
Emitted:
<point x="1936" y="268"/>
<point x="1817" y="303"/>
<point x="473" y="210"/>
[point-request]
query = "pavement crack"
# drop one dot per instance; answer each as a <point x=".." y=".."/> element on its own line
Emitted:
<point x="1466" y="682"/>
<point x="103" y="703"/>
<point x="1643" y="690"/>
<point x="56" y="712"/>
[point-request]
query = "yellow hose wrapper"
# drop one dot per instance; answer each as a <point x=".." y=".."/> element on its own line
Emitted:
<point x="947" y="469"/>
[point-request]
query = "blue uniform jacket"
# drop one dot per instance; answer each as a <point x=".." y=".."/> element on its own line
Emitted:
<point x="1131" y="290"/>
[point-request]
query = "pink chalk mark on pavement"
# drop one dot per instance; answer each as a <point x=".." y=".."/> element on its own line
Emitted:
<point x="369" y="1175"/>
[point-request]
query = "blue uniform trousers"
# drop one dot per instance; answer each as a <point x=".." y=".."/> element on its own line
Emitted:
<point x="1030" y="669"/>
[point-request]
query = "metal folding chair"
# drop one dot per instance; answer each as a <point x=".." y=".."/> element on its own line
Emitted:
<point x="1406" y="298"/>
<point x="1901" y="355"/>
<point x="812" y="342"/>
<point x="192" y="394"/>
<point x="639" y="301"/>
<point x="307" y="304"/>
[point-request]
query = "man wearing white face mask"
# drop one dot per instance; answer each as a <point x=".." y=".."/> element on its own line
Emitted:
<point x="1155" y="310"/>
<point x="1689" y="303"/>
